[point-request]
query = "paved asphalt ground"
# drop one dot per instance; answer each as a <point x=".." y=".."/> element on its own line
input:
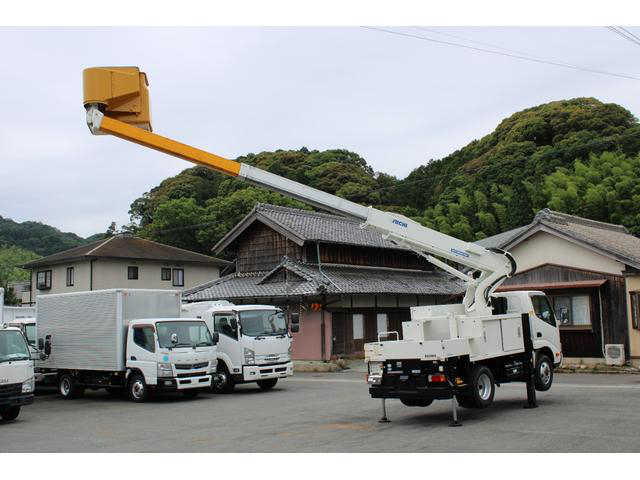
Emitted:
<point x="332" y="412"/>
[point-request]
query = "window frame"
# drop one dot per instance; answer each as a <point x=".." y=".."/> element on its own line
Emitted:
<point x="174" y="282"/>
<point x="168" y="277"/>
<point x="130" y="269"/>
<point x="71" y="276"/>
<point x="142" y="327"/>
<point x="550" y="304"/>
<point x="634" y="301"/>
<point x="572" y="325"/>
<point x="48" y="274"/>
<point x="227" y="315"/>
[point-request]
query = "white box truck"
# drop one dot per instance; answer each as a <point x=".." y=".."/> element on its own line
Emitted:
<point x="124" y="339"/>
<point x="16" y="370"/>
<point x="254" y="342"/>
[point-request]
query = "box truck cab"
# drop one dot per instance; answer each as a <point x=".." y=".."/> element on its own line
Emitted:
<point x="27" y="325"/>
<point x="124" y="340"/>
<point x="254" y="343"/>
<point x="16" y="373"/>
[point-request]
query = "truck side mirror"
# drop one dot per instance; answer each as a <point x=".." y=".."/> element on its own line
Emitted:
<point x="294" y="318"/>
<point x="174" y="338"/>
<point x="47" y="345"/>
<point x="215" y="336"/>
<point x="295" y="328"/>
<point x="41" y="344"/>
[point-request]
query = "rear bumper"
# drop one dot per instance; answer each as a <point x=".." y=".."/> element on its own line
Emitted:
<point x="252" y="373"/>
<point x="422" y="393"/>
<point x="16" y="400"/>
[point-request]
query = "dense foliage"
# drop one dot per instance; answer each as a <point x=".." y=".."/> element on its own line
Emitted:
<point x="578" y="156"/>
<point x="37" y="237"/>
<point x="10" y="258"/>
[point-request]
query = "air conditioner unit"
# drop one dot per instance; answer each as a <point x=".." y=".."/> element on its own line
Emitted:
<point x="614" y="354"/>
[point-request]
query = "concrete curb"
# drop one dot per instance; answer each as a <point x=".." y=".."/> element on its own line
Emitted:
<point x="314" y="366"/>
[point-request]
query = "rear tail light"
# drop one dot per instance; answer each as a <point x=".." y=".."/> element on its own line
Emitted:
<point x="438" y="377"/>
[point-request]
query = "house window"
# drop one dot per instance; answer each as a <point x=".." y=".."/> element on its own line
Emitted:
<point x="132" y="273"/>
<point x="358" y="326"/>
<point x="635" y="309"/>
<point x="573" y="311"/>
<point x="43" y="280"/>
<point x="165" y="274"/>
<point x="382" y="319"/>
<point x="70" y="276"/>
<point x="178" y="277"/>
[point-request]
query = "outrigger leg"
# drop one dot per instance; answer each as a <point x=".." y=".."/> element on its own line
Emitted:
<point x="455" y="422"/>
<point x="384" y="418"/>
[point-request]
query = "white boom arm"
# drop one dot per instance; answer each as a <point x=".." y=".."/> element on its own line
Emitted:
<point x="490" y="267"/>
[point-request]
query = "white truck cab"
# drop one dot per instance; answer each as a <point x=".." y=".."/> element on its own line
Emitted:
<point x="16" y="373"/>
<point x="27" y="326"/>
<point x="254" y="343"/>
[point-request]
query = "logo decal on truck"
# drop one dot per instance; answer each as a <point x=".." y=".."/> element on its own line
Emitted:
<point x="400" y="223"/>
<point x="460" y="253"/>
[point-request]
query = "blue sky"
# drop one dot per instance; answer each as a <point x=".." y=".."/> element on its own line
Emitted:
<point x="397" y="101"/>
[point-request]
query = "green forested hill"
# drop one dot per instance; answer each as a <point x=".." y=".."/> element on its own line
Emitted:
<point x="579" y="156"/>
<point x="36" y="237"/>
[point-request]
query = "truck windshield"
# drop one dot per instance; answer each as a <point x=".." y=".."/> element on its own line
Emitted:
<point x="189" y="334"/>
<point x="13" y="347"/>
<point x="259" y="323"/>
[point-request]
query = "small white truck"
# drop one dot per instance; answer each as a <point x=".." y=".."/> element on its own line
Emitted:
<point x="124" y="340"/>
<point x="254" y="342"/>
<point x="16" y="370"/>
<point x="445" y="353"/>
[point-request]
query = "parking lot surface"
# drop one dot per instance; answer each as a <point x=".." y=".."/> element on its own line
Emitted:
<point x="332" y="412"/>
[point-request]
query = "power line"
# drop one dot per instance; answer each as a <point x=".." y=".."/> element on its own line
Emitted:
<point x="504" y="54"/>
<point x="630" y="33"/>
<point x="625" y="34"/>
<point x="437" y="32"/>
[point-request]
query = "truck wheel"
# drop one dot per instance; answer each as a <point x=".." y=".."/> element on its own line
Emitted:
<point x="267" y="384"/>
<point x="68" y="388"/>
<point x="465" y="401"/>
<point x="9" y="414"/>
<point x="544" y="373"/>
<point x="482" y="386"/>
<point x="416" y="402"/>
<point x="226" y="383"/>
<point x="138" y="390"/>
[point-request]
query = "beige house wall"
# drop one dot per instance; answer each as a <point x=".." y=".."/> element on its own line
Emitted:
<point x="112" y="273"/>
<point x="633" y="285"/>
<point x="543" y="247"/>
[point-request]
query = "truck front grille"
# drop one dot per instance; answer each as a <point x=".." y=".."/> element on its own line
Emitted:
<point x="191" y="366"/>
<point x="11" y="390"/>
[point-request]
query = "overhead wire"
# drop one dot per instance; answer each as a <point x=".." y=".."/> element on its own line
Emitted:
<point x="504" y="54"/>
<point x="625" y="34"/>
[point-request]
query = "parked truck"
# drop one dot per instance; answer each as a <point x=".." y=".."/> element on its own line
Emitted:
<point x="124" y="340"/>
<point x="254" y="342"/>
<point x="16" y="370"/>
<point x="464" y="346"/>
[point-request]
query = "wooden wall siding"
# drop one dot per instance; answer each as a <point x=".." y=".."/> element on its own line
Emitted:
<point x="343" y="343"/>
<point x="262" y="249"/>
<point x="581" y="343"/>
<point x="357" y="255"/>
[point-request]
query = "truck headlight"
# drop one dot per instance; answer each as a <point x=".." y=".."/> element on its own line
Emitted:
<point x="165" y="370"/>
<point x="213" y="366"/>
<point x="27" y="387"/>
<point x="249" y="356"/>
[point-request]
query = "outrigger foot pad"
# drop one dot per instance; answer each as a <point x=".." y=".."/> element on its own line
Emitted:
<point x="384" y="418"/>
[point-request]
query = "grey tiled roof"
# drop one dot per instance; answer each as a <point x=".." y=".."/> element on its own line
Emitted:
<point x="305" y="225"/>
<point x="337" y="279"/>
<point x="127" y="247"/>
<point x="612" y="239"/>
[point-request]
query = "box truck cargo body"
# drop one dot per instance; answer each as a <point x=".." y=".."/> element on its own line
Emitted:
<point x="113" y="338"/>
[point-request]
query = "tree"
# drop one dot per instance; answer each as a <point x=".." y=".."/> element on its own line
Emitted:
<point x="176" y="223"/>
<point x="10" y="260"/>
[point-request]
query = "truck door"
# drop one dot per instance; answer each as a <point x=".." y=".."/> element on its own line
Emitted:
<point x="229" y="345"/>
<point x="544" y="329"/>
<point x="141" y="352"/>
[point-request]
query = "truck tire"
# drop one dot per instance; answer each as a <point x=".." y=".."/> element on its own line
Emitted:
<point x="482" y="387"/>
<point x="226" y="383"/>
<point x="267" y="384"/>
<point x="10" y="413"/>
<point x="416" y="402"/>
<point x="68" y="388"/>
<point x="544" y="373"/>
<point x="138" y="390"/>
